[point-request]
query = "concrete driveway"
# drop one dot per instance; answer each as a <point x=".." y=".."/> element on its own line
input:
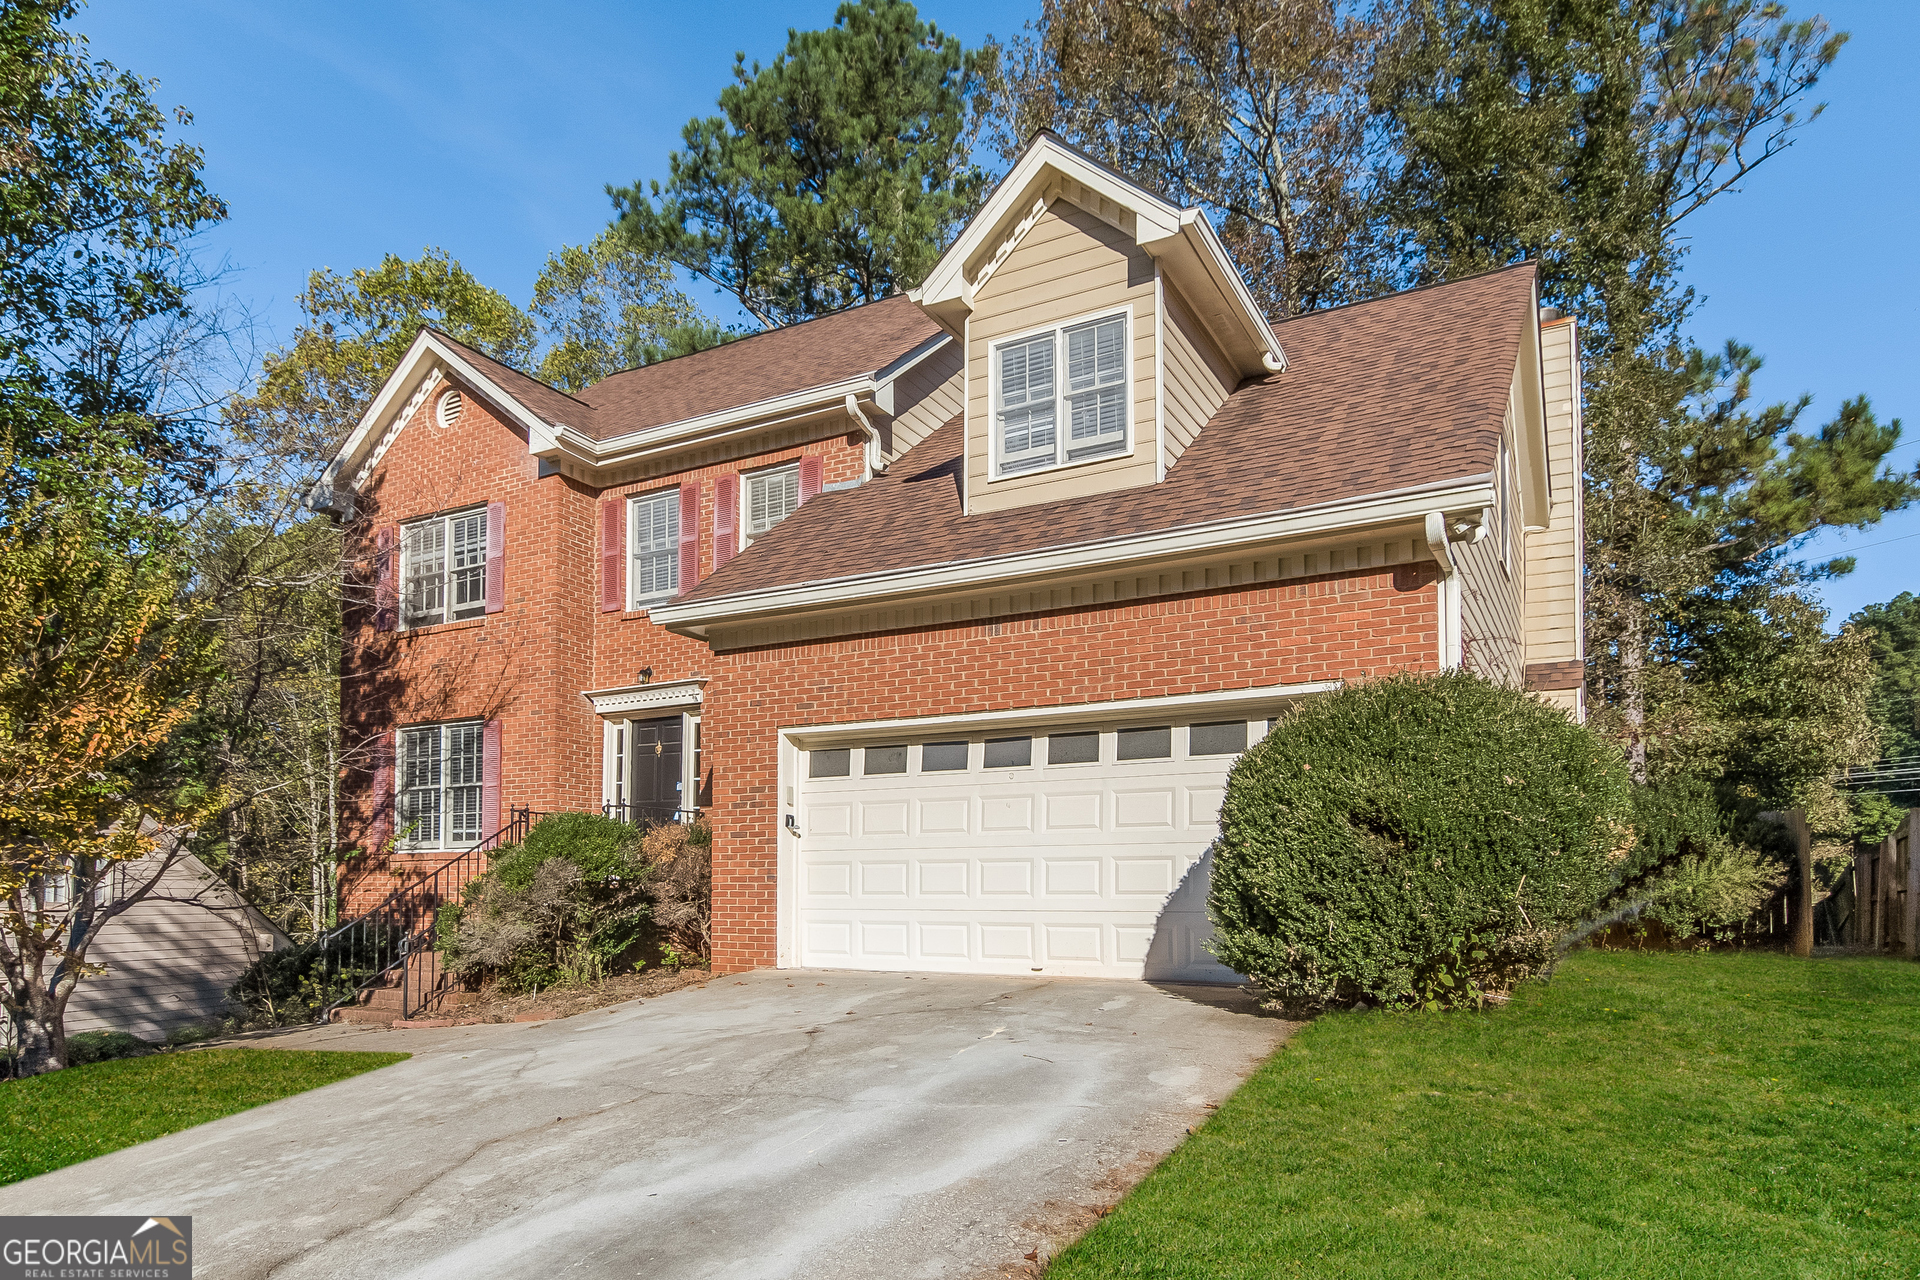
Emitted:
<point x="778" y="1123"/>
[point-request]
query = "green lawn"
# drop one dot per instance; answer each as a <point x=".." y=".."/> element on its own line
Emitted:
<point x="62" y="1118"/>
<point x="1643" y="1116"/>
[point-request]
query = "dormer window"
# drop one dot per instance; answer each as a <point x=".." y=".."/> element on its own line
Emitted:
<point x="1032" y="398"/>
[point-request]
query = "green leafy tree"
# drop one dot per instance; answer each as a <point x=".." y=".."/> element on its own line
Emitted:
<point x="97" y="205"/>
<point x="834" y="176"/>
<point x="1256" y="110"/>
<point x="1581" y="133"/>
<point x="603" y="306"/>
<point x="1893" y="631"/>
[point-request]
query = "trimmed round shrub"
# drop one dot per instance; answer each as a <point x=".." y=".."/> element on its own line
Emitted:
<point x="1414" y="840"/>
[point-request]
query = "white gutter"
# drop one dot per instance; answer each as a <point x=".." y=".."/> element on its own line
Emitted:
<point x="759" y="415"/>
<point x="876" y="458"/>
<point x="1224" y="535"/>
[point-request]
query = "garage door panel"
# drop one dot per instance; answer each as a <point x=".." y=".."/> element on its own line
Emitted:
<point x="883" y="879"/>
<point x="1000" y="876"/>
<point x="1006" y="941"/>
<point x="1085" y="868"/>
<point x="943" y="879"/>
<point x="944" y="817"/>
<point x="1006" y="813"/>
<point x="885" y="818"/>
<point x="1143" y="809"/>
<point x="1073" y="876"/>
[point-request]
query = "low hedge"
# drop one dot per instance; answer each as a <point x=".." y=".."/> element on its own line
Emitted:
<point x="1414" y="840"/>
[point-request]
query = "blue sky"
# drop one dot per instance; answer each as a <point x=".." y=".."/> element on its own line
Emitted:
<point x="339" y="132"/>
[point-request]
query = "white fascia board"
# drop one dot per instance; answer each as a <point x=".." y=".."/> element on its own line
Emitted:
<point x="807" y="737"/>
<point x="636" y="445"/>
<point x="1469" y="494"/>
<point x="947" y="282"/>
<point x="406" y="375"/>
<point x="1199" y="232"/>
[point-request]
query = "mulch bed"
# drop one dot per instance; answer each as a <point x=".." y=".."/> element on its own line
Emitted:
<point x="494" y="1005"/>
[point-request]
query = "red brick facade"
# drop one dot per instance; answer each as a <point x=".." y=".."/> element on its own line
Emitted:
<point x="1335" y="627"/>
<point x="529" y="664"/>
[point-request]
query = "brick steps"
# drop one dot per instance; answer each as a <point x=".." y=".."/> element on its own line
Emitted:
<point x="380" y="1005"/>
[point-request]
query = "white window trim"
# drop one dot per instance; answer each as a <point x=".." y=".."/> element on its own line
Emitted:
<point x="1124" y="310"/>
<point x="403" y="621"/>
<point x="635" y="600"/>
<point x="445" y="842"/>
<point x="744" y="517"/>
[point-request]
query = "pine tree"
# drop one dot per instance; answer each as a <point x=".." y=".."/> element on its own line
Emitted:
<point x="835" y="176"/>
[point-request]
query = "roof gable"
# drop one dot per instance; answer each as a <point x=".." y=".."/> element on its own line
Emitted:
<point x="1181" y="239"/>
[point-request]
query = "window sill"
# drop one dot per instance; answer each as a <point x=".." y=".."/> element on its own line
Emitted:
<point x="1058" y="467"/>
<point x="439" y="628"/>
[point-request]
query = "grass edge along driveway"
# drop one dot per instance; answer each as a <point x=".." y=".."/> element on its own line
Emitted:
<point x="50" y="1121"/>
<point x="1721" y="1115"/>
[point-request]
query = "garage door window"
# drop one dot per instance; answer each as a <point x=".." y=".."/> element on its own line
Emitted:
<point x="885" y="760"/>
<point x="1009" y="753"/>
<point x="1073" y="748"/>
<point x="837" y="763"/>
<point x="1226" y="739"/>
<point x="940" y="757"/>
<point x="1145" y="744"/>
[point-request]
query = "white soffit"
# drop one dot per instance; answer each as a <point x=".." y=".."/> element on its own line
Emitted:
<point x="668" y="695"/>
<point x="1180" y="239"/>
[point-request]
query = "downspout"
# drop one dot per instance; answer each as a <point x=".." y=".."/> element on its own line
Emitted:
<point x="876" y="458"/>
<point x="1437" y="543"/>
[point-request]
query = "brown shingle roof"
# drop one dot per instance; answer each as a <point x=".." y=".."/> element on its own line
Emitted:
<point x="815" y="353"/>
<point x="1406" y="390"/>
<point x="549" y="403"/>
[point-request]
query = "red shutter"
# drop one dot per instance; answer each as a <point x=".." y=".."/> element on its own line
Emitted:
<point x="613" y="582"/>
<point x="386" y="590"/>
<point x="380" y="829"/>
<point x="496" y="556"/>
<point x="810" y="476"/>
<point x="726" y="519"/>
<point x="490" y="778"/>
<point x="689" y="536"/>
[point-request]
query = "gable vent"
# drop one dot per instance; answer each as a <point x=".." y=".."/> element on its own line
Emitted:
<point x="447" y="412"/>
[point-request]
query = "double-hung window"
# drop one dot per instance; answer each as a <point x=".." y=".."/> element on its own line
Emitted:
<point x="654" y="537"/>
<point x="1061" y="396"/>
<point x="444" y="563"/>
<point x="441" y="785"/>
<point x="772" y="496"/>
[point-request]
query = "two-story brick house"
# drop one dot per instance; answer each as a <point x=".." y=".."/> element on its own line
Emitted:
<point x="953" y="610"/>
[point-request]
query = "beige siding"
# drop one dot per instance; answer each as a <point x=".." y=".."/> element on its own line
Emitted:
<point x="1553" y="617"/>
<point x="925" y="398"/>
<point x="1492" y="582"/>
<point x="169" y="963"/>
<point x="1070" y="265"/>
<point x="1199" y="378"/>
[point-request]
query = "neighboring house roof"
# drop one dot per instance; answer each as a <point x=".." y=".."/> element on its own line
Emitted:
<point x="1403" y="392"/>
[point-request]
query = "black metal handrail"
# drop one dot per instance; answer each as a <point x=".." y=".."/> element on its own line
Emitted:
<point x="366" y="951"/>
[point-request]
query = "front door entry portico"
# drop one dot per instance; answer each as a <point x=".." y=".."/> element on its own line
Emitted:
<point x="654" y="788"/>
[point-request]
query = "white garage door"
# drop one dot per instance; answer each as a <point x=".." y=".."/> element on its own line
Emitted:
<point x="1081" y="851"/>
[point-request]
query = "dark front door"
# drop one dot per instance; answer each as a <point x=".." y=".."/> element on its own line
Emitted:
<point x="655" y="747"/>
